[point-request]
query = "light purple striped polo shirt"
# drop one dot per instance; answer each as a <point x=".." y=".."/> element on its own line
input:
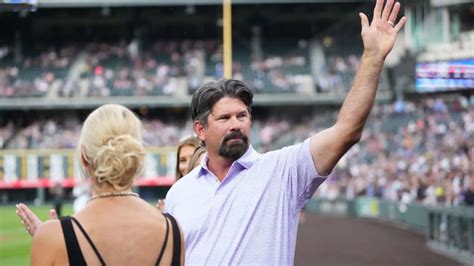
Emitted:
<point x="251" y="218"/>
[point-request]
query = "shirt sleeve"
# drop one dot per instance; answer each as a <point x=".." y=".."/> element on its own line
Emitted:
<point x="170" y="200"/>
<point x="301" y="177"/>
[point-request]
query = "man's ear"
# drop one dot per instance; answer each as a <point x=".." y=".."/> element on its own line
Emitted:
<point x="199" y="130"/>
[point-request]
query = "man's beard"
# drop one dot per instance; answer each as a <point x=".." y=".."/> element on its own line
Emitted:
<point x="235" y="150"/>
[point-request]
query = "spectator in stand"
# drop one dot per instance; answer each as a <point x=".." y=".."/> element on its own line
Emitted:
<point x="468" y="194"/>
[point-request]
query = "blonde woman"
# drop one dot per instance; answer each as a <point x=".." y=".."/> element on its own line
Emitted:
<point x="116" y="227"/>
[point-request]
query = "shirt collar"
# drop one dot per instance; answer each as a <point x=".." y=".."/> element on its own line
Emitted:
<point x="249" y="158"/>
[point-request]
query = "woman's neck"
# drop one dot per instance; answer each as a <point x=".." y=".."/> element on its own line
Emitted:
<point x="106" y="189"/>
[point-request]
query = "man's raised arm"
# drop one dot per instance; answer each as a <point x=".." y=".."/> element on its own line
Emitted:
<point x="329" y="145"/>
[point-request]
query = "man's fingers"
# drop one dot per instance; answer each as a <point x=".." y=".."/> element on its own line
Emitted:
<point x="394" y="14"/>
<point x="364" y="21"/>
<point x="400" y="24"/>
<point x="378" y="9"/>
<point x="387" y="10"/>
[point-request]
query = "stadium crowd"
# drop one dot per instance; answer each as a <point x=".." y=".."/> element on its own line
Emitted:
<point x="98" y="69"/>
<point x="38" y="73"/>
<point x="411" y="151"/>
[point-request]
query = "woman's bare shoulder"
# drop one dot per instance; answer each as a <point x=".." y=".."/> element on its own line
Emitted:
<point x="47" y="244"/>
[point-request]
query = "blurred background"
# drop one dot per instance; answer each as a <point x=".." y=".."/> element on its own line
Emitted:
<point x="60" y="59"/>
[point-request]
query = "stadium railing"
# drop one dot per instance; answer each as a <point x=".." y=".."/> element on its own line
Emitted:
<point x="451" y="231"/>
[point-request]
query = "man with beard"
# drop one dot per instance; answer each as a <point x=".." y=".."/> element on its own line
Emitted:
<point x="241" y="207"/>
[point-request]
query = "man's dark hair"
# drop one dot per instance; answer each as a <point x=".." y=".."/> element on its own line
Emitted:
<point x="211" y="92"/>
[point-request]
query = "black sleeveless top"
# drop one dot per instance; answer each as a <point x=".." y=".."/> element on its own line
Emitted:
<point x="75" y="256"/>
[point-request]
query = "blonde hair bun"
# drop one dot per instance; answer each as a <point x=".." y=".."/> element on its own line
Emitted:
<point x="119" y="161"/>
<point x="111" y="142"/>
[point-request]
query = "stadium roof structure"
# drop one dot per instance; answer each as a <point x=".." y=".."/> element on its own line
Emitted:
<point x="117" y="3"/>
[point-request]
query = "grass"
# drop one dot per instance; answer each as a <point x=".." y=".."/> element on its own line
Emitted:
<point x="15" y="242"/>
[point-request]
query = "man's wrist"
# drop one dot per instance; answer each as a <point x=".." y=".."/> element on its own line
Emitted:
<point x="373" y="58"/>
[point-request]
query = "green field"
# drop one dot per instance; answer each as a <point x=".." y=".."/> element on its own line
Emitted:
<point x="15" y="242"/>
